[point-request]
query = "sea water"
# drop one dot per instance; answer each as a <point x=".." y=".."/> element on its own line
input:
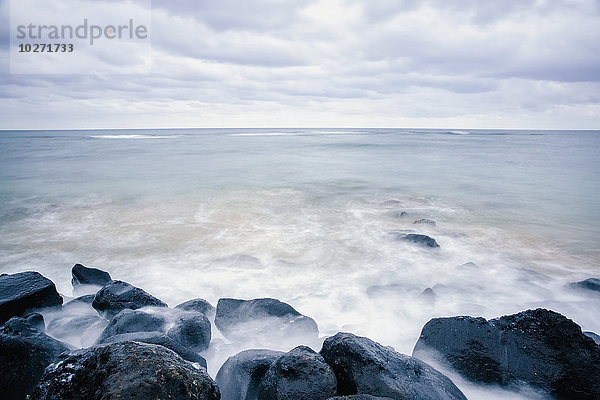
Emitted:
<point x="303" y="215"/>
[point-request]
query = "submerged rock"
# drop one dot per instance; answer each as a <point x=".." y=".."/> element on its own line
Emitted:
<point x="425" y="221"/>
<point x="125" y="371"/>
<point x="422" y="240"/>
<point x="240" y="376"/>
<point x="363" y="366"/>
<point x="26" y="290"/>
<point x="245" y="319"/>
<point x="25" y="352"/>
<point x="428" y="295"/>
<point x="538" y="347"/>
<point x="300" y="374"/>
<point x="359" y="397"/>
<point x="192" y="330"/>
<point x="595" y="337"/>
<point x="82" y="275"/>
<point x="118" y="295"/>
<point x="588" y="284"/>
<point x="198" y="305"/>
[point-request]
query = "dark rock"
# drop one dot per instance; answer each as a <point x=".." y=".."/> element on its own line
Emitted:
<point x="192" y="330"/>
<point x="428" y="295"/>
<point x="158" y="338"/>
<point x="198" y="305"/>
<point x="117" y="296"/>
<point x="36" y="320"/>
<point x="85" y="299"/>
<point x="589" y="284"/>
<point x="23" y="291"/>
<point x="538" y="347"/>
<point x="243" y="319"/>
<point x="425" y="221"/>
<point x="300" y="374"/>
<point x="595" y="337"/>
<point x="240" y="375"/>
<point x="423" y="240"/>
<point x="362" y="366"/>
<point x="24" y="354"/>
<point x="89" y="276"/>
<point x="125" y="371"/>
<point x="129" y="321"/>
<point x="359" y="397"/>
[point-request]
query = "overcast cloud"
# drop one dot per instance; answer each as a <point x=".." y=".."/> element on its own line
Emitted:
<point x="345" y="63"/>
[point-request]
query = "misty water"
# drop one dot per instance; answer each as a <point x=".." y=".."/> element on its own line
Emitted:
<point x="303" y="215"/>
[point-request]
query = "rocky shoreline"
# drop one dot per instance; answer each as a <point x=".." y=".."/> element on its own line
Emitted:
<point x="146" y="350"/>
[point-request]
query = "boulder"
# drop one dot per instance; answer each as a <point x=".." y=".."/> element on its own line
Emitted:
<point x="300" y="374"/>
<point x="192" y="330"/>
<point x="88" y="276"/>
<point x="240" y="375"/>
<point x="363" y="366"/>
<point x="36" y="320"/>
<point x="25" y="352"/>
<point x="117" y="296"/>
<point x="587" y="284"/>
<point x="23" y="291"/>
<point x="158" y="338"/>
<point x="419" y="239"/>
<point x="538" y="347"/>
<point x="595" y="337"/>
<point x="85" y="299"/>
<point x="125" y="371"/>
<point x="198" y="305"/>
<point x="129" y="321"/>
<point x="245" y="319"/>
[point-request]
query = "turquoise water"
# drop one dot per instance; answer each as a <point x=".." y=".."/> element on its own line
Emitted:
<point x="302" y="215"/>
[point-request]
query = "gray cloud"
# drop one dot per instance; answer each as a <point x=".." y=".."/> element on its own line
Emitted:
<point x="527" y="63"/>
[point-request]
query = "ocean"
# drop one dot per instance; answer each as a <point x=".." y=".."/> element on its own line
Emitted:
<point x="303" y="215"/>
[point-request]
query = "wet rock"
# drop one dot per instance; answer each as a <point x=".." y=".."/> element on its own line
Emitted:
<point x="240" y="375"/>
<point x="300" y="374"/>
<point x="359" y="397"/>
<point x="192" y="330"/>
<point x="117" y="296"/>
<point x="538" y="347"/>
<point x="587" y="284"/>
<point x="428" y="295"/>
<point x="363" y="366"/>
<point x="158" y="338"/>
<point x="88" y="276"/>
<point x="76" y="329"/>
<point x="245" y="319"/>
<point x="25" y="352"/>
<point x="26" y="290"/>
<point x="129" y="321"/>
<point x="419" y="239"/>
<point x="125" y="371"/>
<point x="425" y="221"/>
<point x="85" y="299"/>
<point x="36" y="320"/>
<point x="198" y="305"/>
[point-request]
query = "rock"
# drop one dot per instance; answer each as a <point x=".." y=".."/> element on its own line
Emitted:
<point x="117" y="296"/>
<point x="359" y="397"/>
<point x="423" y="240"/>
<point x="192" y="330"/>
<point x="428" y="295"/>
<point x="158" y="338"/>
<point x="300" y="374"/>
<point x="198" y="305"/>
<point x="85" y="299"/>
<point x="36" y="320"/>
<point x="129" y="321"/>
<point x="88" y="276"/>
<point x="26" y="290"/>
<point x="595" y="337"/>
<point x="240" y="375"/>
<point x="363" y="366"/>
<point x="125" y="371"/>
<point x="425" y="221"/>
<point x="245" y="319"/>
<point x="589" y="284"/>
<point x="25" y="352"/>
<point x="75" y="329"/>
<point x="538" y="347"/>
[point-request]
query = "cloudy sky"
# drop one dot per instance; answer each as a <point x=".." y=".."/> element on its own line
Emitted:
<point x="332" y="63"/>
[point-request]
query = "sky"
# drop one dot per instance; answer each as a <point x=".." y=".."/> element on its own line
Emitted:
<point x="509" y="64"/>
